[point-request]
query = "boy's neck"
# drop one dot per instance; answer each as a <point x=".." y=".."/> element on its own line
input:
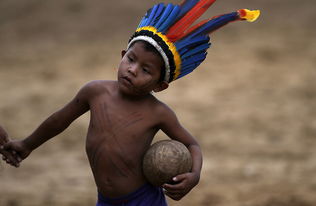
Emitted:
<point x="133" y="98"/>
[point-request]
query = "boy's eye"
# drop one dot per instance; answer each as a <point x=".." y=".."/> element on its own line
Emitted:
<point x="130" y="59"/>
<point x="146" y="70"/>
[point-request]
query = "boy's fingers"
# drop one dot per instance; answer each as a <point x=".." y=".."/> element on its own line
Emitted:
<point x="9" y="147"/>
<point x="15" y="164"/>
<point x="6" y="146"/>
<point x="172" y="188"/>
<point x="180" y="177"/>
<point x="19" y="159"/>
<point x="9" y="158"/>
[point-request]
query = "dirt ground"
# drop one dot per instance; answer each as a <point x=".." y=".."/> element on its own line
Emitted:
<point x="251" y="104"/>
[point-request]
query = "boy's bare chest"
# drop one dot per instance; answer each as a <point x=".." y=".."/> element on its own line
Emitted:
<point x="118" y="118"/>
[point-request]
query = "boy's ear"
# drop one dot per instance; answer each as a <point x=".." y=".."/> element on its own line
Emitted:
<point x="123" y="52"/>
<point x="161" y="86"/>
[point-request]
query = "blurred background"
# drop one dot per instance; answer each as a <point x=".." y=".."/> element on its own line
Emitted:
<point x="251" y="104"/>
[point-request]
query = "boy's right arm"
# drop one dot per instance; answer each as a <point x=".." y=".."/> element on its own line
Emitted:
<point x="54" y="124"/>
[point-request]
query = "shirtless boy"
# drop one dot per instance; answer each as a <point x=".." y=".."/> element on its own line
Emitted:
<point x="124" y="118"/>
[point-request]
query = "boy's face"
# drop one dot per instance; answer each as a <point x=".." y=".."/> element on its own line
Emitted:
<point x="139" y="71"/>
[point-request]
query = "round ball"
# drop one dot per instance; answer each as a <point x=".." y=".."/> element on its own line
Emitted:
<point x="164" y="160"/>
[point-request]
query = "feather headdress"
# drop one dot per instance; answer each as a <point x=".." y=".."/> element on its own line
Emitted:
<point x="183" y="48"/>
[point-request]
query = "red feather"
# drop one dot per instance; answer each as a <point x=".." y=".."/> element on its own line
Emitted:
<point x="180" y="26"/>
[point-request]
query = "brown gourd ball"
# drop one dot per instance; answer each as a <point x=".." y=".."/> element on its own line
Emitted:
<point x="164" y="160"/>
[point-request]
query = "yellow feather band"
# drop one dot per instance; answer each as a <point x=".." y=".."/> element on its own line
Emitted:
<point x="171" y="46"/>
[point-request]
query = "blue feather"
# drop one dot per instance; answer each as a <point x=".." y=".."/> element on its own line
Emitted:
<point x="186" y="6"/>
<point x="193" y="59"/>
<point x="189" y="69"/>
<point x="141" y="22"/>
<point x="185" y="50"/>
<point x="187" y="43"/>
<point x="182" y="74"/>
<point x="214" y="24"/>
<point x="159" y="11"/>
<point x="144" y="19"/>
<point x="189" y="64"/>
<point x="192" y="66"/>
<point x="171" y="19"/>
<point x="151" y="15"/>
<point x="164" y="15"/>
<point x="198" y="49"/>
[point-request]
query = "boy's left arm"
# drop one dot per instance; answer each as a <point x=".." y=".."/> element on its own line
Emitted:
<point x="184" y="182"/>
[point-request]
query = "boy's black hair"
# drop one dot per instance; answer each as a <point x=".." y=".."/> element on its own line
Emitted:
<point x="150" y="48"/>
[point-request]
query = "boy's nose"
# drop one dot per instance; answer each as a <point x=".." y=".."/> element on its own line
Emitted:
<point x="132" y="70"/>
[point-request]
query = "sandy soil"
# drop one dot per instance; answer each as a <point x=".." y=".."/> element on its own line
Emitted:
<point x="251" y="104"/>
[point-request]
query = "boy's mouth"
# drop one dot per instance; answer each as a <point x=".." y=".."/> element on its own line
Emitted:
<point x="127" y="80"/>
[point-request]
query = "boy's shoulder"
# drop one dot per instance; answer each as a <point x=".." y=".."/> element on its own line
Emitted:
<point x="99" y="84"/>
<point x="97" y="87"/>
<point x="160" y="107"/>
<point x="162" y="113"/>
